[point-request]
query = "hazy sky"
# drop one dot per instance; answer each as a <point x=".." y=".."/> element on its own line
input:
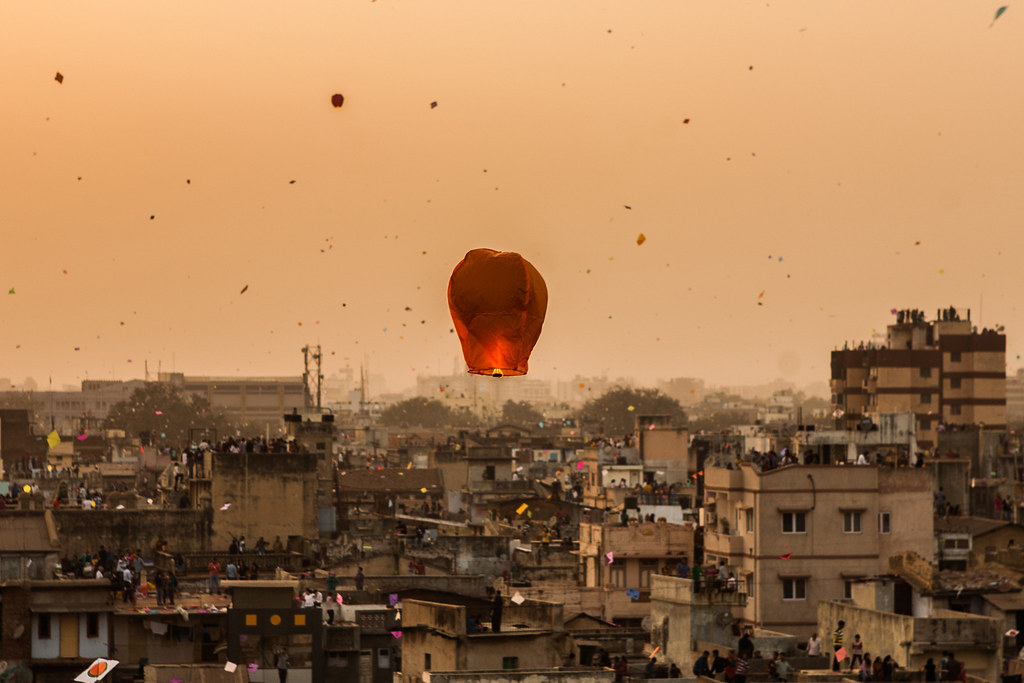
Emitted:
<point x="825" y="139"/>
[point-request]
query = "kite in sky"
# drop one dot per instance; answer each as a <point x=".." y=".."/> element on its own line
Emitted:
<point x="999" y="13"/>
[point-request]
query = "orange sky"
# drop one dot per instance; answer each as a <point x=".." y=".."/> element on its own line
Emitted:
<point x="862" y="128"/>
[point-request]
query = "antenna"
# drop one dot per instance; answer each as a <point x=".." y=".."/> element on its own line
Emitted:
<point x="311" y="354"/>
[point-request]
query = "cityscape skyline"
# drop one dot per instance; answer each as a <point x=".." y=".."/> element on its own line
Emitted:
<point x="195" y="200"/>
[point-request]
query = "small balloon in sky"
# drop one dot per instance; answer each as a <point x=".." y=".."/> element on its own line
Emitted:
<point x="999" y="13"/>
<point x="60" y="77"/>
<point x="337" y="99"/>
<point x="640" y="239"/>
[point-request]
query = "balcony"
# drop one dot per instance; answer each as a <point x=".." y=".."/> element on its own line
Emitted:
<point x="720" y="543"/>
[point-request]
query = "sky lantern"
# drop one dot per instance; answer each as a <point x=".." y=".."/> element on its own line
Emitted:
<point x="497" y="300"/>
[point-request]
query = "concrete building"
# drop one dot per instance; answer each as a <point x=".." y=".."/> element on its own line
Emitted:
<point x="71" y="412"/>
<point x="262" y="494"/>
<point x="22" y="449"/>
<point x="800" y="534"/>
<point x="1015" y="397"/>
<point x="446" y="637"/>
<point x="55" y="628"/>
<point x="684" y="623"/>
<point x="639" y="552"/>
<point x="911" y="640"/>
<point x="664" y="449"/>
<point x="562" y="675"/>
<point x="892" y="438"/>
<point x="943" y="371"/>
<point x="29" y="545"/>
<point x="252" y="404"/>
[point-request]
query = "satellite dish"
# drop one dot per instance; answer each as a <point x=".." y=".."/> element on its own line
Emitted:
<point x="18" y="631"/>
<point x="724" y="619"/>
<point x="3" y="666"/>
<point x="645" y="623"/>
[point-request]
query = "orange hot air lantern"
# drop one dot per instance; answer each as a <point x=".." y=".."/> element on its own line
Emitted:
<point x="497" y="300"/>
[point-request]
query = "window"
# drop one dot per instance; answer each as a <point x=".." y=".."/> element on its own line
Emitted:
<point x="489" y="472"/>
<point x="926" y="372"/>
<point x="954" y="382"/>
<point x="851" y="522"/>
<point x="750" y="585"/>
<point x="10" y="568"/>
<point x="383" y="658"/>
<point x="647" y="567"/>
<point x="847" y="589"/>
<point x="510" y="662"/>
<point x="617" y="576"/>
<point x="92" y="625"/>
<point x="956" y="409"/>
<point x="43" y="629"/>
<point x="748" y="515"/>
<point x="794" y="522"/>
<point x="926" y="398"/>
<point x="924" y="424"/>
<point x="794" y="589"/>
<point x="884" y="523"/>
<point x="426" y="661"/>
<point x="954" y="357"/>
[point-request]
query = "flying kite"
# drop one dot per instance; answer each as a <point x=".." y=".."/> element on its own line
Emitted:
<point x="999" y="13"/>
<point x="497" y="301"/>
<point x="337" y="99"/>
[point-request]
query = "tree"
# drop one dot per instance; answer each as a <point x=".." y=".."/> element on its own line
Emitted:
<point x="422" y="412"/>
<point x="614" y="413"/>
<point x="162" y="412"/>
<point x="521" y="413"/>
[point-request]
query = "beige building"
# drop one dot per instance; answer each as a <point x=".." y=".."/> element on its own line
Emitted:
<point x="683" y="622"/>
<point x="976" y="641"/>
<point x="252" y="404"/>
<point x="445" y="637"/>
<point x="800" y="534"/>
<point x="639" y="552"/>
<point x="943" y="371"/>
<point x="262" y="494"/>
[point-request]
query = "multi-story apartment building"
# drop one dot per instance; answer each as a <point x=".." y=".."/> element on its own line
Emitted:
<point x="943" y="371"/>
<point x="799" y="534"/>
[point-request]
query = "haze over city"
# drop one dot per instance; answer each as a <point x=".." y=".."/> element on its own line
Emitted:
<point x="187" y="195"/>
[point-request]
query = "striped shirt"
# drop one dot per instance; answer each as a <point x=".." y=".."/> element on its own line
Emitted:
<point x="837" y="638"/>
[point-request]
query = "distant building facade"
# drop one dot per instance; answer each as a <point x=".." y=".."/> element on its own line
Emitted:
<point x="943" y="371"/>
<point x="254" y="404"/>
